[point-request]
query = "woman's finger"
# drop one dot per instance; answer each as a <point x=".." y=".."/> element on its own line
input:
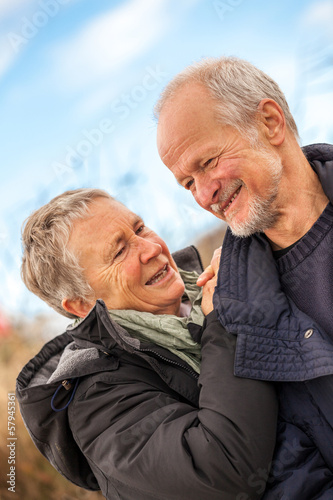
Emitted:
<point x="207" y="275"/>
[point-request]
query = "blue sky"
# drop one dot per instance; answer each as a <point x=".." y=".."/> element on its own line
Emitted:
<point x="78" y="82"/>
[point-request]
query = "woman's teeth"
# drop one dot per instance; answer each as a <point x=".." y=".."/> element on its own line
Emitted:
<point x="158" y="277"/>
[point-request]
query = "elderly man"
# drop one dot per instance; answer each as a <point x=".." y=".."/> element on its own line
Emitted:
<point x="226" y="133"/>
<point x="126" y="401"/>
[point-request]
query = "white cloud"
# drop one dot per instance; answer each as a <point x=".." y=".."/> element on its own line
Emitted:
<point x="8" y="6"/>
<point x="8" y="50"/>
<point x="311" y="105"/>
<point x="7" y="57"/>
<point x="13" y="7"/>
<point x="94" y="102"/>
<point x="109" y="42"/>
<point x="16" y="14"/>
<point x="317" y="126"/>
<point x="319" y="15"/>
<point x="283" y="71"/>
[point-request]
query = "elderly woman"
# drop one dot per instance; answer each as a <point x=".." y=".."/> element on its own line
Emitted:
<point x="127" y="401"/>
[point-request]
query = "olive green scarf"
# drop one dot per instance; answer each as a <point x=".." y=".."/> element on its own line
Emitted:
<point x="167" y="330"/>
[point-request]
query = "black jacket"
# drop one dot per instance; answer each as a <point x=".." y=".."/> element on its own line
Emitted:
<point x="138" y="423"/>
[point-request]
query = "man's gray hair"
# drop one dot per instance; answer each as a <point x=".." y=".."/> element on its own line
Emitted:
<point x="237" y="86"/>
<point x="49" y="269"/>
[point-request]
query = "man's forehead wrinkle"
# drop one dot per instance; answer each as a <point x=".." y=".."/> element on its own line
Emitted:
<point x="179" y="167"/>
<point x="170" y="149"/>
<point x="192" y="157"/>
<point x="181" y="155"/>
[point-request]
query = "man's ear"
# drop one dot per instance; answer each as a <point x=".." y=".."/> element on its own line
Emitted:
<point x="77" y="307"/>
<point x="272" y="120"/>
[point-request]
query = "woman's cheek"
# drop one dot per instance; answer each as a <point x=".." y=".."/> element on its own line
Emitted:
<point x="128" y="274"/>
<point x="114" y="276"/>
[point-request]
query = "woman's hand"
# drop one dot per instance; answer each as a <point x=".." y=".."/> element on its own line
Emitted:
<point x="208" y="280"/>
<point x="210" y="270"/>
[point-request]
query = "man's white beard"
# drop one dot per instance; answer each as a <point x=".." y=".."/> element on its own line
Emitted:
<point x="262" y="214"/>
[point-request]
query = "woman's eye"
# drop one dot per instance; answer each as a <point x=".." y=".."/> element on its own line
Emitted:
<point x="189" y="184"/>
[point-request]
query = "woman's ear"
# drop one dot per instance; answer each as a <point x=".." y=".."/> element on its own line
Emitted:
<point x="272" y="119"/>
<point x="78" y="307"/>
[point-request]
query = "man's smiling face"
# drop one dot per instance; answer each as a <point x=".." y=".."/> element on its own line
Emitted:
<point x="126" y="264"/>
<point x="225" y="173"/>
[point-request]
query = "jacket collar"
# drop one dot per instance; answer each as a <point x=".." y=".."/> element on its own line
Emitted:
<point x="250" y="302"/>
<point x="320" y="157"/>
<point x="98" y="329"/>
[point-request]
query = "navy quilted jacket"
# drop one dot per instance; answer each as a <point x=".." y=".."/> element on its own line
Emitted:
<point x="278" y="342"/>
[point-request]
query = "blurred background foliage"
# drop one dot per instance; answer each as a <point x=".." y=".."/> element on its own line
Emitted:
<point x="36" y="479"/>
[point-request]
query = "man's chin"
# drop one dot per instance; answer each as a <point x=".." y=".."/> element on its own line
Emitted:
<point x="242" y="228"/>
<point x="241" y="232"/>
<point x="249" y="227"/>
<point x="236" y="227"/>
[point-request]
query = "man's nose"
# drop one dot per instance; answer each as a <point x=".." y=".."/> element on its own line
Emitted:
<point x="148" y="250"/>
<point x="206" y="191"/>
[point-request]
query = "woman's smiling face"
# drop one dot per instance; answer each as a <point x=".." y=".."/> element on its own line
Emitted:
<point x="126" y="264"/>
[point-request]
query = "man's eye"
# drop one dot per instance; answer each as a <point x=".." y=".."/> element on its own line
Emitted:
<point x="118" y="254"/>
<point x="208" y="162"/>
<point x="189" y="184"/>
<point x="140" y="229"/>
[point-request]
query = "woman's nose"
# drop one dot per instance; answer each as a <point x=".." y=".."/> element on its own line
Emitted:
<point x="148" y="250"/>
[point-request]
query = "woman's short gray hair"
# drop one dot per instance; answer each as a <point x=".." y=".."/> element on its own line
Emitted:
<point x="49" y="269"/>
<point x="237" y="86"/>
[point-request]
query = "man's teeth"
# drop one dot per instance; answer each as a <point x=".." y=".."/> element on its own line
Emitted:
<point x="232" y="199"/>
<point x="159" y="276"/>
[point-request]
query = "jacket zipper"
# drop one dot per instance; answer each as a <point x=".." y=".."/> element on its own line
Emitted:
<point x="186" y="368"/>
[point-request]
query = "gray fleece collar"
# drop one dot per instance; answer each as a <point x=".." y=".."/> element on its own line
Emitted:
<point x="71" y="362"/>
